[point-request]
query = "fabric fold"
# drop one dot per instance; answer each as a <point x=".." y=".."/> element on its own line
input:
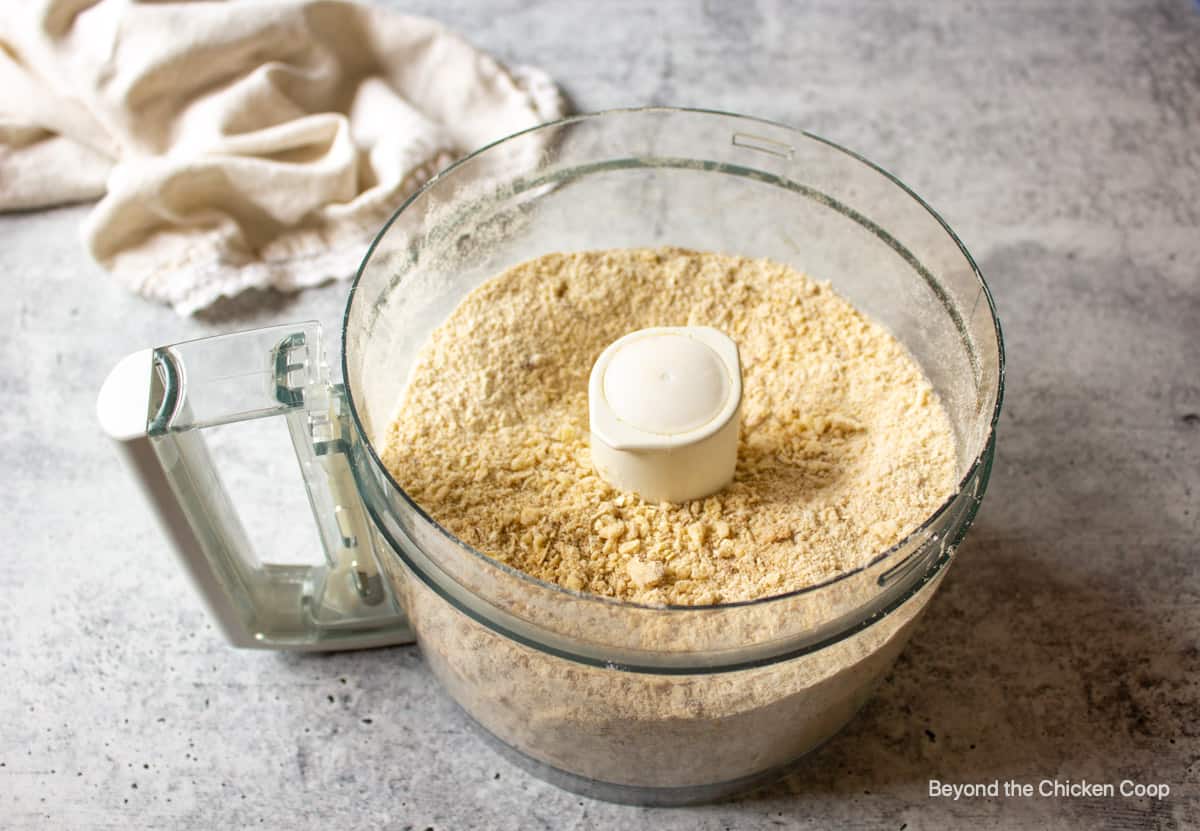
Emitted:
<point x="240" y="145"/>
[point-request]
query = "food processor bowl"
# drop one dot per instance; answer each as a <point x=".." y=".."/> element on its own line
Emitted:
<point x="650" y="704"/>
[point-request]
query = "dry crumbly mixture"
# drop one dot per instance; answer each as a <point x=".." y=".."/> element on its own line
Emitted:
<point x="844" y="446"/>
<point x="647" y="729"/>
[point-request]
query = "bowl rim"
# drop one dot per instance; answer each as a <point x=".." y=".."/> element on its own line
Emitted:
<point x="982" y="458"/>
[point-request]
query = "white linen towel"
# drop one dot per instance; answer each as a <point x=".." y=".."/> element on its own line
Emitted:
<point x="239" y="144"/>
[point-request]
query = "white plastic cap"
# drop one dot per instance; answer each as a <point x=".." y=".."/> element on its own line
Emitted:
<point x="664" y="406"/>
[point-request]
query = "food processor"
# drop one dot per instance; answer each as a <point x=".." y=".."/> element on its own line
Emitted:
<point x="621" y="701"/>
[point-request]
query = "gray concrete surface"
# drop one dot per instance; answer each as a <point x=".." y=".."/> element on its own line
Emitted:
<point x="1062" y="141"/>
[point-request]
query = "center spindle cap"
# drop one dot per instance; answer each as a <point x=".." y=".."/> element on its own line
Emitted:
<point x="664" y="407"/>
<point x="666" y="383"/>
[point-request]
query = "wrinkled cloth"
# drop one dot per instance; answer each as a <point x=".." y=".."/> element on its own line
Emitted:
<point x="240" y="145"/>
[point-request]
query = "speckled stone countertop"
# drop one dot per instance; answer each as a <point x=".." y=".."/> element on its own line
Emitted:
<point x="1060" y="139"/>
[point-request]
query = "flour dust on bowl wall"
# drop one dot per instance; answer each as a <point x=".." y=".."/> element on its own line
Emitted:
<point x="658" y="432"/>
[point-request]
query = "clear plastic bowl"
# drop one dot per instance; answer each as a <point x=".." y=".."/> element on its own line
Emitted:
<point x="618" y="700"/>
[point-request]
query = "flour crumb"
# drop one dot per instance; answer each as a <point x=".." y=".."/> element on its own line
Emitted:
<point x="844" y="446"/>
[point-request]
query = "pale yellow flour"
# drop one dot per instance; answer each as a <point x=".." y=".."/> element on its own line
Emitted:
<point x="844" y="447"/>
